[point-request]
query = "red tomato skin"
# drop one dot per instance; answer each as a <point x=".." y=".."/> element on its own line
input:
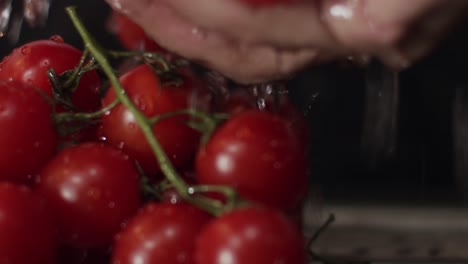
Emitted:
<point x="250" y="236"/>
<point x="28" y="138"/>
<point x="92" y="189"/>
<point x="30" y="62"/>
<point x="121" y="130"/>
<point x="241" y="100"/>
<point x="160" y="233"/>
<point x="257" y="153"/>
<point x="131" y="35"/>
<point x="27" y="232"/>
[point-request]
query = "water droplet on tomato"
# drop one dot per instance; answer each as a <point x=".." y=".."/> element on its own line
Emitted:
<point x="26" y="50"/>
<point x="261" y="104"/>
<point x="111" y="205"/>
<point x="121" y="145"/>
<point x="191" y="190"/>
<point x="45" y="63"/>
<point x="37" y="144"/>
<point x="57" y="38"/>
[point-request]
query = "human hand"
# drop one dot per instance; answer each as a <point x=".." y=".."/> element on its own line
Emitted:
<point x="257" y="44"/>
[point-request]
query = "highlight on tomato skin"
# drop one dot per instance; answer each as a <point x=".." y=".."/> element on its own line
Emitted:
<point x="160" y="233"/>
<point x="120" y="129"/>
<point x="251" y="235"/>
<point x="26" y="228"/>
<point x="102" y="209"/>
<point x="28" y="137"/>
<point x="30" y="62"/>
<point x="257" y="153"/>
<point x="92" y="189"/>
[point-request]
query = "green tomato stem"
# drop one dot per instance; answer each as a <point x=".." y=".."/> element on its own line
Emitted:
<point x="62" y="117"/>
<point x="165" y="165"/>
<point x="149" y="55"/>
<point x="78" y="69"/>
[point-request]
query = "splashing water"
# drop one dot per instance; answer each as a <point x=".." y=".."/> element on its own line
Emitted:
<point x="5" y="14"/>
<point x="382" y="105"/>
<point x="34" y="12"/>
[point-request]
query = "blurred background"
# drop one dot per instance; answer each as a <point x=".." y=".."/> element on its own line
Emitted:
<point x="379" y="138"/>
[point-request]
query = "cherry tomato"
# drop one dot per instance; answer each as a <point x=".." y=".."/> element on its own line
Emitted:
<point x="250" y="236"/>
<point x="92" y="189"/>
<point x="161" y="233"/>
<point x="241" y="99"/>
<point x="257" y="153"/>
<point x="131" y="35"/>
<point x="145" y="90"/>
<point x="27" y="233"/>
<point x="27" y="135"/>
<point x="29" y="64"/>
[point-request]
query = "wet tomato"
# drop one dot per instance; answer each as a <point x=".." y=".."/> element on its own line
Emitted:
<point x="263" y="98"/>
<point x="27" y="233"/>
<point x="250" y="236"/>
<point x="257" y="153"/>
<point x="92" y="189"/>
<point x="29" y="64"/>
<point x="145" y="90"/>
<point x="160" y="233"/>
<point x="27" y="135"/>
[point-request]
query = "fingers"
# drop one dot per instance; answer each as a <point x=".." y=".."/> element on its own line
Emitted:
<point x="252" y="44"/>
<point x="245" y="63"/>
<point x="288" y="26"/>
<point x="397" y="31"/>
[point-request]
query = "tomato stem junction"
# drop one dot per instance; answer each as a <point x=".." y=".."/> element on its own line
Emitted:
<point x="210" y="205"/>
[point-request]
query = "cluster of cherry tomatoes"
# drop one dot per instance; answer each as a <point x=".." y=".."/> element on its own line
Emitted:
<point x="231" y="174"/>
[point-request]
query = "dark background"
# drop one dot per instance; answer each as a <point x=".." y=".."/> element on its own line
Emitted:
<point x="422" y="168"/>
